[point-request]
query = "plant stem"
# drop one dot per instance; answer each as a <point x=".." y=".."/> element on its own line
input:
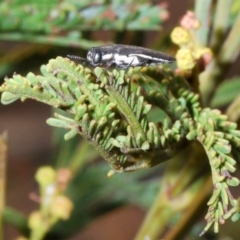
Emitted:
<point x="60" y="41"/>
<point x="210" y="79"/>
<point x="153" y="224"/>
<point x="83" y="154"/>
<point x="193" y="212"/>
<point x="3" y="158"/>
<point x="220" y="24"/>
<point x="202" y="11"/>
<point x="178" y="190"/>
<point x="231" y="47"/>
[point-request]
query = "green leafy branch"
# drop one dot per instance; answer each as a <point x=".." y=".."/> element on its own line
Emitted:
<point x="76" y="90"/>
<point x="221" y="141"/>
<point x="111" y="109"/>
<point x="65" y="21"/>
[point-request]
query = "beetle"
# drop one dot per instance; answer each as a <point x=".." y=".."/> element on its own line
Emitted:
<point x="124" y="56"/>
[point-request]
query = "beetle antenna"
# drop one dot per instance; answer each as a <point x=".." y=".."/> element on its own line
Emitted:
<point x="76" y="58"/>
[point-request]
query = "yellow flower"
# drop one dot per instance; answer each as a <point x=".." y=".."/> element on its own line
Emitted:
<point x="61" y="207"/>
<point x="35" y="220"/>
<point x="180" y="36"/>
<point x="185" y="59"/>
<point x="45" y="175"/>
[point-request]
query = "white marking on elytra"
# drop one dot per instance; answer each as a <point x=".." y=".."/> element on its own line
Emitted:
<point x="148" y="57"/>
<point x="128" y="60"/>
<point x="107" y="56"/>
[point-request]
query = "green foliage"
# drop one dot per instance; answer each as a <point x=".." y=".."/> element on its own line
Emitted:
<point x="98" y="99"/>
<point x="226" y="92"/>
<point x="66" y="21"/>
<point x="109" y="109"/>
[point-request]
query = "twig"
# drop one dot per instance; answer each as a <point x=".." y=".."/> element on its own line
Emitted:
<point x="212" y="77"/>
<point x="3" y="158"/>
<point x="202" y="12"/>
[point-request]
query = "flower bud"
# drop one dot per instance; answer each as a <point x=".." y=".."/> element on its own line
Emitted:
<point x="180" y="36"/>
<point x="185" y="59"/>
<point x="35" y="220"/>
<point x="61" y="207"/>
<point x="45" y="175"/>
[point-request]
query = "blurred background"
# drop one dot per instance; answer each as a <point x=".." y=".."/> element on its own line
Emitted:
<point x="31" y="33"/>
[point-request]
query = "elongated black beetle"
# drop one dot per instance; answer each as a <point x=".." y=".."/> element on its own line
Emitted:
<point x="124" y="56"/>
